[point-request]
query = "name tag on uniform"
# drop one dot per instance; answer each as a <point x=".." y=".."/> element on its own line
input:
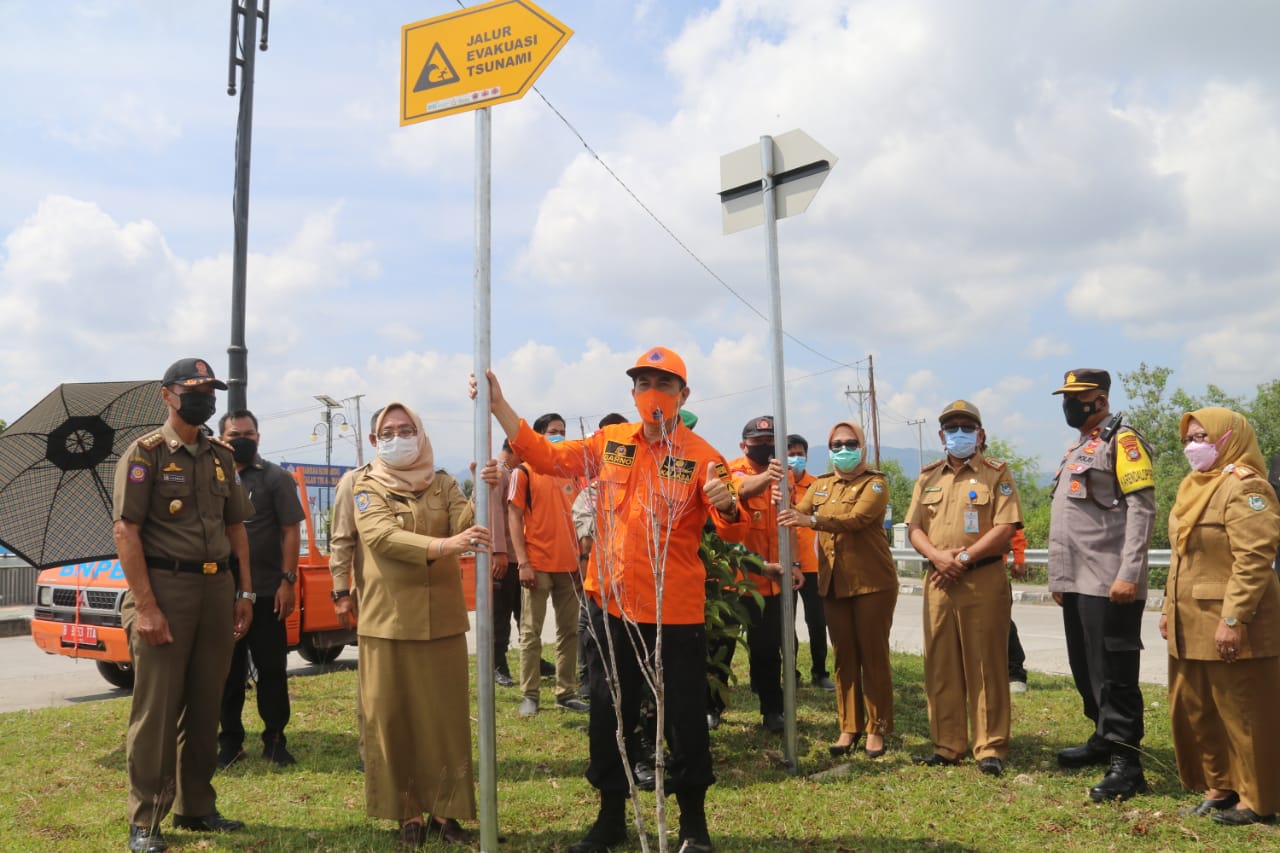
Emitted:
<point x="970" y="521"/>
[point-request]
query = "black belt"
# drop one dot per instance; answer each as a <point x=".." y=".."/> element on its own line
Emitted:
<point x="212" y="567"/>
<point x="985" y="561"/>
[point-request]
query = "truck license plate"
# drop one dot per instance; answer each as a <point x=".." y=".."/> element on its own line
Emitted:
<point x="80" y="634"/>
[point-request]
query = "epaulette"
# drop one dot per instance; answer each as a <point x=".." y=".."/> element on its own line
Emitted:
<point x="995" y="463"/>
<point x="1242" y="471"/>
<point x="213" y="439"/>
<point x="932" y="465"/>
<point x="875" y="471"/>
<point x="152" y="441"/>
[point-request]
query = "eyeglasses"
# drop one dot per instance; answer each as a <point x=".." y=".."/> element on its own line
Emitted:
<point x="952" y="429"/>
<point x="851" y="444"/>
<point x="1199" y="436"/>
<point x="402" y="432"/>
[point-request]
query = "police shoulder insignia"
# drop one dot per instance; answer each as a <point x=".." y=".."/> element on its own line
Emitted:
<point x="213" y="439"/>
<point x="932" y="465"/>
<point x="877" y="487"/>
<point x="138" y="472"/>
<point x="362" y="501"/>
<point x="1242" y="471"/>
<point x="1257" y="502"/>
<point x="994" y="463"/>
<point x="1006" y="489"/>
<point x="152" y="441"/>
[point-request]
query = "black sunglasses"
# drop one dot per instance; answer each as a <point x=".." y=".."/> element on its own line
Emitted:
<point x="851" y="444"/>
<point x="955" y="428"/>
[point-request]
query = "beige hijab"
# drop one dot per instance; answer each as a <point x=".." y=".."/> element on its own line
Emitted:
<point x="862" y="443"/>
<point x="418" y="474"/>
<point x="1198" y="487"/>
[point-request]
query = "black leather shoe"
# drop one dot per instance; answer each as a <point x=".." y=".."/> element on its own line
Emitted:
<point x="934" y="760"/>
<point x="646" y="779"/>
<point x="600" y="840"/>
<point x="144" y="839"/>
<point x="689" y="845"/>
<point x="824" y="683"/>
<point x="1241" y="817"/>
<point x="503" y="678"/>
<point x="774" y="723"/>
<point x="1124" y="779"/>
<point x="838" y="750"/>
<point x="227" y="756"/>
<point x="1207" y="806"/>
<point x="991" y="766"/>
<point x="448" y="831"/>
<point x="208" y="823"/>
<point x="1088" y="755"/>
<point x="278" y="755"/>
<point x="545" y="668"/>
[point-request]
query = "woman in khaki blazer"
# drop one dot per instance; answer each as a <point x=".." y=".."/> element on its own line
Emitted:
<point x="858" y="584"/>
<point x="1222" y="621"/>
<point x="413" y="522"/>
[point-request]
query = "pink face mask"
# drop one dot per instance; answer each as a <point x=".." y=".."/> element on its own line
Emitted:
<point x="1202" y="454"/>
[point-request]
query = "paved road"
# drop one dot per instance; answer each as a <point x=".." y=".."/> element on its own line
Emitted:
<point x="29" y="678"/>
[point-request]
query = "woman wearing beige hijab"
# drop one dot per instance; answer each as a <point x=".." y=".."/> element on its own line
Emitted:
<point x="858" y="584"/>
<point x="1222" y="620"/>
<point x="413" y="522"/>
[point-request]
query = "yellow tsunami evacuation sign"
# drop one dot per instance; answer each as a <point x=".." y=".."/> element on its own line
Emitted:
<point x="475" y="57"/>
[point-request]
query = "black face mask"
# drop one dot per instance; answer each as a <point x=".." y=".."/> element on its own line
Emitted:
<point x="760" y="453"/>
<point x="245" y="450"/>
<point x="195" y="408"/>
<point x="1078" y="411"/>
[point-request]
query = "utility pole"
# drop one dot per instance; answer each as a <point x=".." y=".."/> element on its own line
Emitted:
<point x="862" y="394"/>
<point x="359" y="434"/>
<point x="244" y="13"/>
<point x="917" y="423"/>
<point x="875" y="411"/>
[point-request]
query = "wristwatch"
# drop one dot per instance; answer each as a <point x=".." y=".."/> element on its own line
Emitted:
<point x="1230" y="621"/>
<point x="339" y="594"/>
<point x="291" y="577"/>
<point x="963" y="557"/>
<point x="251" y="597"/>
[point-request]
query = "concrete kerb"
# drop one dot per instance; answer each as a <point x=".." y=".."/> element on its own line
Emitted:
<point x="15" y="621"/>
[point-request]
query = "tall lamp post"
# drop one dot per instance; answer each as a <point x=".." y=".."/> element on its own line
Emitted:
<point x="327" y="425"/>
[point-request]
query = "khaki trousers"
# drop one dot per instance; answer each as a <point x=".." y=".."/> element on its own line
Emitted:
<point x="859" y="626"/>
<point x="563" y="588"/>
<point x="1221" y="733"/>
<point x="172" y="744"/>
<point x="966" y="663"/>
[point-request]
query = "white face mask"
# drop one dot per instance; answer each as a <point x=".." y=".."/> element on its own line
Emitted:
<point x="398" y="452"/>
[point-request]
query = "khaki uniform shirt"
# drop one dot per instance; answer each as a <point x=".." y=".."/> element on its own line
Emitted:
<point x="403" y="594"/>
<point x="1102" y="515"/>
<point x="1227" y="572"/>
<point x="182" y="501"/>
<point x="345" y="558"/>
<point x="942" y="497"/>
<point x="853" y="554"/>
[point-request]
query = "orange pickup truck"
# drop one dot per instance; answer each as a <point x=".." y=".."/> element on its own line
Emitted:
<point x="77" y="611"/>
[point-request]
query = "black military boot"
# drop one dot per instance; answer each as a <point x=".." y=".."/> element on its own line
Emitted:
<point x="610" y="828"/>
<point x="1124" y="777"/>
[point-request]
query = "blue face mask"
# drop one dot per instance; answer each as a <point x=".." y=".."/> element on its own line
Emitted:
<point x="961" y="445"/>
<point x="845" y="460"/>
<point x="796" y="464"/>
<point x="554" y="439"/>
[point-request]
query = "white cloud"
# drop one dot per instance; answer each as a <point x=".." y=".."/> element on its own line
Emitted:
<point x="1046" y="346"/>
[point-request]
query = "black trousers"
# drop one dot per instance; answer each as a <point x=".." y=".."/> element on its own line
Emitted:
<point x="1104" y="645"/>
<point x="764" y="646"/>
<point x="816" y="620"/>
<point x="1017" y="657"/>
<point x="267" y="642"/>
<point x="506" y="606"/>
<point x="684" y="655"/>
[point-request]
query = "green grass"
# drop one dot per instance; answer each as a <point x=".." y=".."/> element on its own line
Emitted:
<point x="63" y="785"/>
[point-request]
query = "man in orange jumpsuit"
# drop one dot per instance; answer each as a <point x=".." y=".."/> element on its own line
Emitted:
<point x="658" y="482"/>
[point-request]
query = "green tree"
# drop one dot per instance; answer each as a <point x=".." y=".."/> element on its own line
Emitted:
<point x="900" y="487"/>
<point x="1033" y="493"/>
<point x="3" y="425"/>
<point x="1264" y="414"/>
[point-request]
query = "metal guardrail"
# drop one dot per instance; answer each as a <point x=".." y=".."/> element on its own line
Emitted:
<point x="1035" y="556"/>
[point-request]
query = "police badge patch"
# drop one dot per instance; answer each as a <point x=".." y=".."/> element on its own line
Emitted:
<point x="362" y="501"/>
<point x="1257" y="503"/>
<point x="1006" y="489"/>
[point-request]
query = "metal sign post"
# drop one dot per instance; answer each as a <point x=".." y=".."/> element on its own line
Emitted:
<point x="470" y="60"/>
<point x="778" y="181"/>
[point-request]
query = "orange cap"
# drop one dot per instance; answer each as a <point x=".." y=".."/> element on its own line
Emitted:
<point x="660" y="358"/>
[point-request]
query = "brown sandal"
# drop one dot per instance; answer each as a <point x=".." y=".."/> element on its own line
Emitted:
<point x="449" y="831"/>
<point x="413" y="833"/>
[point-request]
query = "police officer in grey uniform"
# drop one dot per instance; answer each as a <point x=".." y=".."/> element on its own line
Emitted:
<point x="1101" y="519"/>
<point x="179" y="516"/>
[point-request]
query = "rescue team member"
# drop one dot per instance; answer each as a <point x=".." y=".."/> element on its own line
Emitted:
<point x="658" y="483"/>
<point x="963" y="512"/>
<point x="345" y="558"/>
<point x="807" y="556"/>
<point x="754" y="473"/>
<point x="275" y="532"/>
<point x="506" y="574"/>
<point x="179" y="514"/>
<point x="1221" y="618"/>
<point x="1102" y="513"/>
<point x="540" y="517"/>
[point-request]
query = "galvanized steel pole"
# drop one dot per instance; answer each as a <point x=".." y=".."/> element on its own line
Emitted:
<point x="780" y="452"/>
<point x="484" y="590"/>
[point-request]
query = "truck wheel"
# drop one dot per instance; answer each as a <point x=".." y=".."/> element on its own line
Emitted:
<point x="312" y="653"/>
<point x="117" y="674"/>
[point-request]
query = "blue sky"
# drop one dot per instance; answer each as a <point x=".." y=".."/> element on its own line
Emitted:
<point x="1022" y="188"/>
